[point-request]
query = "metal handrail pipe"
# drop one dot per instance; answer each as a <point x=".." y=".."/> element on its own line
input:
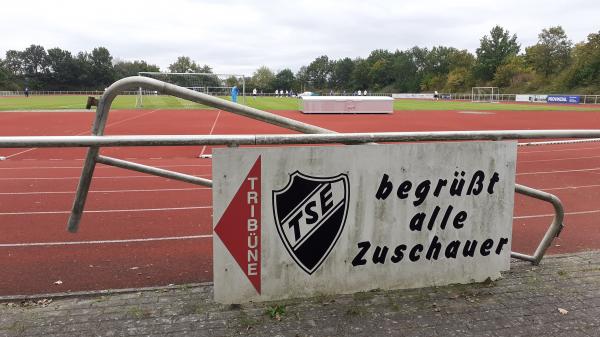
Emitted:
<point x="553" y="230"/>
<point x="280" y="139"/>
<point x="153" y="171"/>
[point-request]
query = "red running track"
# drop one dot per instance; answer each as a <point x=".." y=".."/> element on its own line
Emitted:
<point x="141" y="230"/>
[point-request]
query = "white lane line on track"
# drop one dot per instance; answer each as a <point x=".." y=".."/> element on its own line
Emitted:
<point x="88" y="131"/>
<point x="561" y="150"/>
<point x="559" y="171"/>
<point x="111" y="191"/>
<point x="556" y="159"/>
<point x="568" y="187"/>
<point x="552" y="214"/>
<point x="211" y="132"/>
<point x="112" y="210"/>
<point x="100" y="242"/>
<point x="98" y="167"/>
<point x="110" y="177"/>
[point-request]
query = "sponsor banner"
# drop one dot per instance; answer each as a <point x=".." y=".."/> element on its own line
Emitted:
<point x="563" y="99"/>
<point x="302" y="221"/>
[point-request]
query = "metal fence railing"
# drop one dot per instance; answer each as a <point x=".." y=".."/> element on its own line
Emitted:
<point x="584" y="99"/>
<point x="62" y="92"/>
<point x="312" y="135"/>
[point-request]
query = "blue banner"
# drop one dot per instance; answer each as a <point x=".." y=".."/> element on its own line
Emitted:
<point x="563" y="99"/>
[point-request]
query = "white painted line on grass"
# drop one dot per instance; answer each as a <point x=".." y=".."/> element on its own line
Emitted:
<point x="111" y="191"/>
<point x="101" y="242"/>
<point x="552" y="214"/>
<point x="112" y="210"/>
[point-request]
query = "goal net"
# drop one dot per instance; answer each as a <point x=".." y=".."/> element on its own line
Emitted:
<point x="207" y="83"/>
<point x="485" y="94"/>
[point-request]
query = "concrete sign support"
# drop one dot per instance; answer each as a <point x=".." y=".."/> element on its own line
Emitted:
<point x="303" y="221"/>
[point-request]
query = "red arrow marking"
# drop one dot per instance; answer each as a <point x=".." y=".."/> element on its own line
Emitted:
<point x="240" y="226"/>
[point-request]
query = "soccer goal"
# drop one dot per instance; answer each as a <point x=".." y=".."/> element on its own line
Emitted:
<point x="207" y="83"/>
<point x="485" y="94"/>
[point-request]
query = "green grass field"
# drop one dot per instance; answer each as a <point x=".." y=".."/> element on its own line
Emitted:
<point x="263" y="103"/>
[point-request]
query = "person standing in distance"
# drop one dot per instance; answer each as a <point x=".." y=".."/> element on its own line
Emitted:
<point x="234" y="93"/>
<point x="254" y="93"/>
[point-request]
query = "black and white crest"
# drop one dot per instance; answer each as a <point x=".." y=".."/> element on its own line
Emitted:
<point x="310" y="213"/>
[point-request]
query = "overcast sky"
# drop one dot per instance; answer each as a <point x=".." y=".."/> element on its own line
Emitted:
<point x="240" y="36"/>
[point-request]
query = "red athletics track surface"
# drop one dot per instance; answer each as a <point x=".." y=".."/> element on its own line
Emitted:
<point x="140" y="230"/>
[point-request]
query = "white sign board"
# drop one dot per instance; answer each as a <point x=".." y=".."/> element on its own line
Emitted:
<point x="301" y="221"/>
<point x="413" y="96"/>
<point x="347" y="104"/>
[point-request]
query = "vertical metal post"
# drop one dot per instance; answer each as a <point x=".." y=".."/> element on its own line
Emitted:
<point x="244" y="89"/>
<point x="89" y="165"/>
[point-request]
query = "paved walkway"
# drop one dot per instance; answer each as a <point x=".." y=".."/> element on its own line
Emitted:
<point x="561" y="297"/>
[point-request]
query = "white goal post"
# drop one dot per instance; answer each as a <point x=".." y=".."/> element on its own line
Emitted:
<point x="207" y="83"/>
<point x="485" y="94"/>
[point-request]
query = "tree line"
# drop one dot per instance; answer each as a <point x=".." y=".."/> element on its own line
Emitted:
<point x="553" y="64"/>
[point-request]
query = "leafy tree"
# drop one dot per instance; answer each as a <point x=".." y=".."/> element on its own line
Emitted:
<point x="380" y="72"/>
<point x="419" y="58"/>
<point x="4" y="76"/>
<point x="62" y="69"/>
<point x="128" y="68"/>
<point x="34" y="60"/>
<point x="232" y="81"/>
<point x="206" y="69"/>
<point x="509" y="74"/>
<point x="101" y="67"/>
<point x="341" y="73"/>
<point x="319" y="71"/>
<point x="494" y="51"/>
<point x="585" y="70"/>
<point x="302" y="80"/>
<point x="14" y="62"/>
<point x="184" y="64"/>
<point x="458" y="79"/>
<point x="461" y="59"/>
<point x="360" y="76"/>
<point x="83" y="69"/>
<point x="552" y="52"/>
<point x="408" y="69"/>
<point x="263" y="79"/>
<point x="284" y="80"/>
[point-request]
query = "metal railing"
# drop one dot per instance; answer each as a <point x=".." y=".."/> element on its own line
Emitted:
<point x="313" y="135"/>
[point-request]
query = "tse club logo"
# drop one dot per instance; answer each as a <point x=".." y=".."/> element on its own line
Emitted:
<point x="310" y="213"/>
